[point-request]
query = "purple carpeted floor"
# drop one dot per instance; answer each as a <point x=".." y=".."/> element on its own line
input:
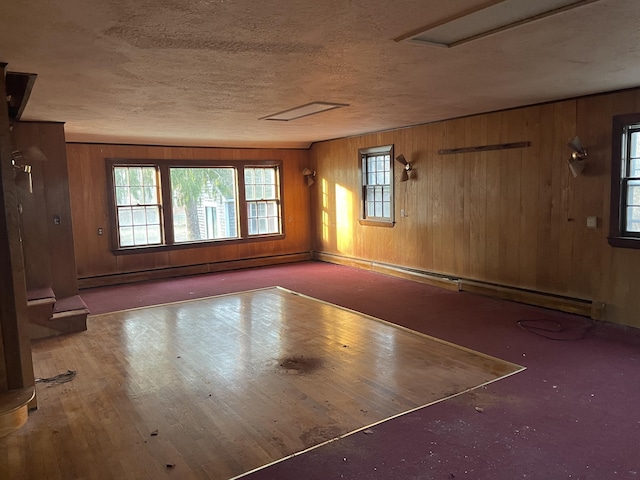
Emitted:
<point x="574" y="413"/>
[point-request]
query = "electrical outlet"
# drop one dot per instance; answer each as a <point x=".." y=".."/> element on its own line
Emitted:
<point x="100" y="231"/>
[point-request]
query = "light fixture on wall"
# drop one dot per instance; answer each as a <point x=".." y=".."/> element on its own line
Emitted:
<point x="407" y="167"/>
<point x="578" y="156"/>
<point x="21" y="161"/>
<point x="311" y="175"/>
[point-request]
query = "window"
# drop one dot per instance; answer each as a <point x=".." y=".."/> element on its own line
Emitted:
<point x="263" y="207"/>
<point x="376" y="166"/>
<point x="160" y="204"/>
<point x="625" y="182"/>
<point x="138" y="205"/>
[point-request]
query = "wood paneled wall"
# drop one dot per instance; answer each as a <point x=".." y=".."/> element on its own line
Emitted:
<point x="89" y="196"/>
<point x="510" y="217"/>
<point x="47" y="243"/>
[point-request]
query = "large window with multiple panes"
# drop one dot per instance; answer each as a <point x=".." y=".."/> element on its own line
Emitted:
<point x="376" y="172"/>
<point x="625" y="182"/>
<point x="159" y="204"/>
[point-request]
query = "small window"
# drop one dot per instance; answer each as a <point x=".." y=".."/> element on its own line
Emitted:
<point x="625" y="182"/>
<point x="138" y="207"/>
<point x="376" y="168"/>
<point x="263" y="203"/>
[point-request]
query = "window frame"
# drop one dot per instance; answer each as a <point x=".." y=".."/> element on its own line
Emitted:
<point x="363" y="154"/>
<point x="166" y="210"/>
<point x="618" y="236"/>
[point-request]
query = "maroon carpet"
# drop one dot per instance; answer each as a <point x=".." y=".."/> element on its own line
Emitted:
<point x="574" y="413"/>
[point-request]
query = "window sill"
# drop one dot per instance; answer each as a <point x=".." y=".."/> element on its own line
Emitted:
<point x="376" y="223"/>
<point x="201" y="244"/>
<point x="624" y="242"/>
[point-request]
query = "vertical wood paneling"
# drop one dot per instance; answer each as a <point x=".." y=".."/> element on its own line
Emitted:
<point x="493" y="202"/>
<point x="437" y="133"/>
<point x="512" y="217"/>
<point x="528" y="242"/>
<point x="476" y="188"/>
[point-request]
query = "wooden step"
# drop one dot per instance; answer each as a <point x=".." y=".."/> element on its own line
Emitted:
<point x="14" y="409"/>
<point x="68" y="315"/>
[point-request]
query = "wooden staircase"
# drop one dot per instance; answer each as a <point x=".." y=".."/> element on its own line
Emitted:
<point x="50" y="316"/>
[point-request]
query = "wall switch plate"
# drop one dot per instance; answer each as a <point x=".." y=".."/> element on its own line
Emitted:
<point x="592" y="222"/>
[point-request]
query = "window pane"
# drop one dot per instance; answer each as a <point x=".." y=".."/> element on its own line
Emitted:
<point x="137" y="196"/>
<point x="124" y="217"/>
<point x="378" y="209"/>
<point x="633" y="219"/>
<point x="150" y="195"/>
<point x="386" y="209"/>
<point x="140" y="235"/>
<point x="250" y="192"/>
<point x="634" y="168"/>
<point x="196" y="191"/>
<point x="635" y="145"/>
<point x="149" y="176"/>
<point x="273" y="225"/>
<point x="153" y="234"/>
<point x="122" y="196"/>
<point x="272" y="209"/>
<point x="126" y="236"/>
<point x="153" y="215"/>
<point x="253" y="226"/>
<point x="121" y="176"/>
<point x="270" y="191"/>
<point x="135" y="176"/>
<point x="371" y="210"/>
<point x="139" y="216"/>
<point x="633" y="193"/>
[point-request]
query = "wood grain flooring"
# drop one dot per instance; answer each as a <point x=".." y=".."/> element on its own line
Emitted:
<point x="214" y="388"/>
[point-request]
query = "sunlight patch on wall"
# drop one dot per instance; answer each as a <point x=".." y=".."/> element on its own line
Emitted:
<point x="325" y="212"/>
<point x="344" y="224"/>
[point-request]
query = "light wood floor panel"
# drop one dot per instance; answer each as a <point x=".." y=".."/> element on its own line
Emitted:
<point x="230" y="383"/>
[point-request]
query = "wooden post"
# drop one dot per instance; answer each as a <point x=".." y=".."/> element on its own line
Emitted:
<point x="16" y="365"/>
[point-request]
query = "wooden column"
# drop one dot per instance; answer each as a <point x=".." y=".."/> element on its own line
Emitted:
<point x="16" y="366"/>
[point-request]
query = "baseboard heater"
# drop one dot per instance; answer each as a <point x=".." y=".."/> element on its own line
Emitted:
<point x="578" y="306"/>
<point x="184" y="270"/>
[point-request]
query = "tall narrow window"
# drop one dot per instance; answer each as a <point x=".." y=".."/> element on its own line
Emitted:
<point x="263" y="200"/>
<point x="138" y="207"/>
<point x="625" y="182"/>
<point x="377" y="186"/>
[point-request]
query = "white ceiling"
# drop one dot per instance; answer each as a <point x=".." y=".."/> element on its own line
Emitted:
<point x="202" y="72"/>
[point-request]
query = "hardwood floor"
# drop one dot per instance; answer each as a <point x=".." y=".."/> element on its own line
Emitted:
<point x="216" y="387"/>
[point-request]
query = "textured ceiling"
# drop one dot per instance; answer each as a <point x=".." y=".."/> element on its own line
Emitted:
<point x="202" y="72"/>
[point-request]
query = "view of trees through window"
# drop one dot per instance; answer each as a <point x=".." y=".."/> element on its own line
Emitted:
<point x="201" y="198"/>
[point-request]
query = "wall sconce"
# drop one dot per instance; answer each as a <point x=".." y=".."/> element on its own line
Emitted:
<point x="407" y="167"/>
<point x="311" y="175"/>
<point x="21" y="162"/>
<point x="577" y="161"/>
